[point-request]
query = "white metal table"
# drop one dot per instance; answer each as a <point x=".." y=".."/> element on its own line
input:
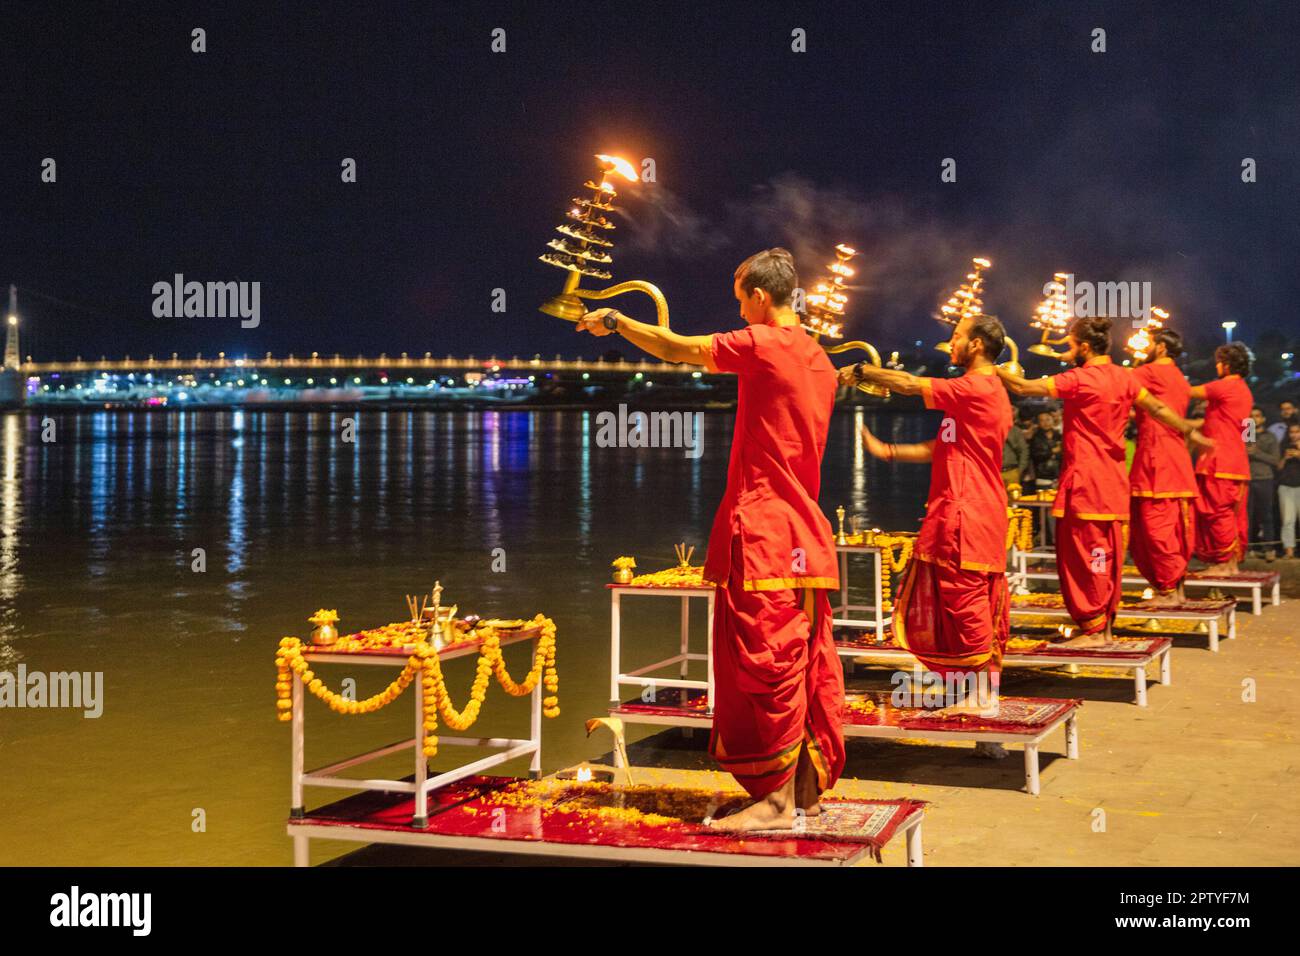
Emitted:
<point x="879" y="619"/>
<point x="642" y="676"/>
<point x="423" y="783"/>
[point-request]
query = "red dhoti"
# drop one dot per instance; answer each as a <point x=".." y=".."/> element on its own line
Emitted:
<point x="1160" y="539"/>
<point x="953" y="621"/>
<point x="778" y="685"/>
<point x="1222" y="526"/>
<point x="1090" y="560"/>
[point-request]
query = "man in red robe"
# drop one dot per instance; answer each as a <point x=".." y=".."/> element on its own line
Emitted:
<point x="778" y="683"/>
<point x="1161" y="481"/>
<point x="952" y="610"/>
<point x="1092" y="502"/>
<point x="1223" y="473"/>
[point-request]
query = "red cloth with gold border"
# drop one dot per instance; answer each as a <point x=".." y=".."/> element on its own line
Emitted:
<point x="1090" y="559"/>
<point x="786" y="393"/>
<point x="965" y="524"/>
<point x="1222" y="522"/>
<point x="953" y="621"/>
<point x="1161" y="536"/>
<point x="778" y="685"/>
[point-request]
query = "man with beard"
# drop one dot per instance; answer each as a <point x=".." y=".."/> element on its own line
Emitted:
<point x="1092" y="503"/>
<point x="1161" y="480"/>
<point x="952" y="609"/>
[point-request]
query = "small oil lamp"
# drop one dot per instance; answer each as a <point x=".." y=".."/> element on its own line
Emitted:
<point x="583" y="248"/>
<point x="1053" y="317"/>
<point x="967" y="302"/>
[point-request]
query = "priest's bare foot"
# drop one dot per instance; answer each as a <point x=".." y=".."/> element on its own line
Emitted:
<point x="773" y="812"/>
<point x="1222" y="567"/>
<point x="1165" y="599"/>
<point x="1098" y="639"/>
<point x="972" y="707"/>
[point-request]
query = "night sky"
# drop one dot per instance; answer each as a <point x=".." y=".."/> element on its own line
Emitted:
<point x="225" y="165"/>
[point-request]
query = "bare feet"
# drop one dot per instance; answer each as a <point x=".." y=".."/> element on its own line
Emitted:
<point x="1099" y="639"/>
<point x="1223" y="567"/>
<point x="773" y="812"/>
<point x="1166" y="598"/>
<point x="783" y="809"/>
<point x="972" y="707"/>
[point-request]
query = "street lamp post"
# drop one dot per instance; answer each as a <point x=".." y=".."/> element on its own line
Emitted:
<point x="1228" y="327"/>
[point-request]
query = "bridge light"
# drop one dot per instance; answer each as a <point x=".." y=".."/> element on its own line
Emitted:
<point x="334" y="381"/>
<point x="695" y="374"/>
<point x="287" y="382"/>
<point x="638" y="375"/>
<point x="410" y="381"/>
<point x="356" y="380"/>
<point x="383" y="379"/>
<point x="311" y="381"/>
<point x="586" y="375"/>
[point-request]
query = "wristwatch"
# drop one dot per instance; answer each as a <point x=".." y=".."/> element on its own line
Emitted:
<point x="857" y="371"/>
<point x="610" y="321"/>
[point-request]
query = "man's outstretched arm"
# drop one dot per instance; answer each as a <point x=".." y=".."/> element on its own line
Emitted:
<point x="660" y="342"/>
<point x="1167" y="416"/>
<point x="904" y="383"/>
<point x="923" y="451"/>
<point x="1033" y="387"/>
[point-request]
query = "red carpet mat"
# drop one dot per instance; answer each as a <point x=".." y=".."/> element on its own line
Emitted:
<point x="571" y="813"/>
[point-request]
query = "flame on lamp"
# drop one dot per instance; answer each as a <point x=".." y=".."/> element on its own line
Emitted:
<point x="618" y="165"/>
<point x="1140" y="343"/>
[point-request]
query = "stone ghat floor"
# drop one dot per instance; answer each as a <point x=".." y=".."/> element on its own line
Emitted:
<point x="1199" y="778"/>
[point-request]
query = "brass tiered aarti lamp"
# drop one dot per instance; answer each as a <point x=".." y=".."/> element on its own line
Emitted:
<point x="1140" y="343"/>
<point x="1053" y="317"/>
<point x="968" y="302"/>
<point x="824" y="315"/>
<point x="583" y="248"/>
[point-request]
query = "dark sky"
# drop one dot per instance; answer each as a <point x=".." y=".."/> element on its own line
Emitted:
<point x="1124" y="165"/>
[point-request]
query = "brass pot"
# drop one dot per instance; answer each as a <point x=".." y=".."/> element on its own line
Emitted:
<point x="325" y="634"/>
<point x="623" y="575"/>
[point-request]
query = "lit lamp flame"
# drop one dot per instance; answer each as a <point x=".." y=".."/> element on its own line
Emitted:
<point x="1141" y="342"/>
<point x="825" y="304"/>
<point x="583" y="248"/>
<point x="824" y="313"/>
<point x="1053" y="317"/>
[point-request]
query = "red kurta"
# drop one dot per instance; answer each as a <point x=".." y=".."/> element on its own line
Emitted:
<point x="1092" y="505"/>
<point x="1162" y="483"/>
<point x="783" y="412"/>
<point x="952" y="611"/>
<point x="1223" y="473"/>
<point x="778" y="682"/>
<point x="965" y="522"/>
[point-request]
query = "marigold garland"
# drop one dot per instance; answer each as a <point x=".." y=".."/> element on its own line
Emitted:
<point x="889" y="565"/>
<point x="1020" y="529"/>
<point x="289" y="660"/>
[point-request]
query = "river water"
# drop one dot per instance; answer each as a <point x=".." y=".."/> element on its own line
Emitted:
<point x="187" y="764"/>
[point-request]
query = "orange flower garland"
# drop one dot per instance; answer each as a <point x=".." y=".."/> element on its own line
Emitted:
<point x="289" y="660"/>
